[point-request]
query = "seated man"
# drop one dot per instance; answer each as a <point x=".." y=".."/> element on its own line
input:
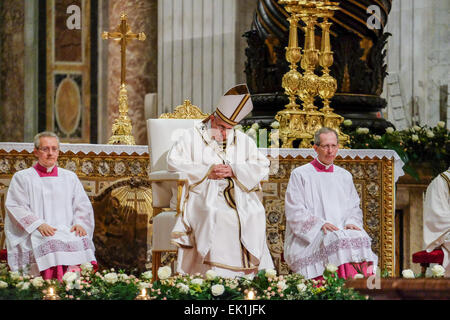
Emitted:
<point x="436" y="217"/>
<point x="223" y="223"/>
<point x="323" y="218"/>
<point x="50" y="221"/>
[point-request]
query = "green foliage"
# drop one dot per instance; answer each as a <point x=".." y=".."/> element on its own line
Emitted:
<point x="416" y="145"/>
<point x="109" y="285"/>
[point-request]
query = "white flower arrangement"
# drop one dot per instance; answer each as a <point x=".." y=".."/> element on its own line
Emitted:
<point x="408" y="274"/>
<point x="331" y="268"/>
<point x="271" y="273"/>
<point x="211" y="275"/>
<point x="164" y="272"/>
<point x="217" y="290"/>
<point x="147" y="275"/>
<point x="197" y="281"/>
<point x="390" y="130"/>
<point x="111" y="277"/>
<point x="438" y="271"/>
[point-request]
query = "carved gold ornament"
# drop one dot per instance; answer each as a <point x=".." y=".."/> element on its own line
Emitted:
<point x="185" y="111"/>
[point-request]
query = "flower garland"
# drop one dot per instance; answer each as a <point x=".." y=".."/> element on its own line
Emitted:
<point x="112" y="285"/>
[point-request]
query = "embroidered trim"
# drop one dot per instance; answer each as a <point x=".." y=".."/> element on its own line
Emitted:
<point x="28" y="220"/>
<point x="325" y="251"/>
<point x="53" y="246"/>
<point x="308" y="224"/>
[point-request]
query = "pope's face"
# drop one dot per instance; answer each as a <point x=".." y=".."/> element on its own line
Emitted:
<point x="48" y="151"/>
<point x="328" y="148"/>
<point x="219" y="128"/>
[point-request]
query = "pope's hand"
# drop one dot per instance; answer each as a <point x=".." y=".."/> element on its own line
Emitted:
<point x="221" y="171"/>
<point x="79" y="230"/>
<point x="329" y="227"/>
<point x="351" y="227"/>
<point x="46" y="230"/>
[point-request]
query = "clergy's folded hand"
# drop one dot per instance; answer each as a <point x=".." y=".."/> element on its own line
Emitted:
<point x="351" y="227"/>
<point x="329" y="227"/>
<point x="79" y="230"/>
<point x="46" y="230"/>
<point x="220" y="171"/>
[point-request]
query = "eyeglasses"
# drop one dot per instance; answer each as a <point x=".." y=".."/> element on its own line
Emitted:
<point x="48" y="149"/>
<point x="328" y="146"/>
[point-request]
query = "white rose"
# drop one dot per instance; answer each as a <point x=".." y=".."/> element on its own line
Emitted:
<point x="414" y="137"/>
<point x="275" y="125"/>
<point x="86" y="266"/>
<point x="255" y="126"/>
<point x="123" y="277"/>
<point x="37" y="282"/>
<point x="270" y="273"/>
<point x="358" y="276"/>
<point x="183" y="287"/>
<point x="390" y="130"/>
<point x="3" y="285"/>
<point x="348" y="122"/>
<point x="69" y="277"/>
<point x="331" y="268"/>
<point x="441" y="124"/>
<point x="111" y="277"/>
<point x="164" y="272"/>
<point x="14" y="275"/>
<point x="197" y="281"/>
<point x="417" y="128"/>
<point x="147" y="275"/>
<point x="217" y="290"/>
<point x="301" y="287"/>
<point x="430" y="134"/>
<point x="376" y="137"/>
<point x="23" y="285"/>
<point x="282" y="285"/>
<point x="362" y="130"/>
<point x="211" y="274"/>
<point x="408" y="274"/>
<point x="438" y="271"/>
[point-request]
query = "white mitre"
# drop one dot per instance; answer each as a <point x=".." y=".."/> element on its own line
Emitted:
<point x="234" y="105"/>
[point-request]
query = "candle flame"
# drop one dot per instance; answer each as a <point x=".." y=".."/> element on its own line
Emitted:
<point x="250" y="295"/>
<point x="51" y="291"/>
<point x="144" y="292"/>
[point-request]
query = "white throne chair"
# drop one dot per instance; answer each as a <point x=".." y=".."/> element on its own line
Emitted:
<point x="167" y="187"/>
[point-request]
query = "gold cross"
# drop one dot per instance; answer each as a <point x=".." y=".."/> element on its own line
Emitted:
<point x="123" y="34"/>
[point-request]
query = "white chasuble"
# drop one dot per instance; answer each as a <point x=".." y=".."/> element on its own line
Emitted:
<point x="210" y="232"/>
<point x="312" y="199"/>
<point x="59" y="201"/>
<point x="436" y="217"/>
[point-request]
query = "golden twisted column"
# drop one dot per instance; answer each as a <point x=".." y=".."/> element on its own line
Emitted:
<point x="291" y="119"/>
<point x="327" y="85"/>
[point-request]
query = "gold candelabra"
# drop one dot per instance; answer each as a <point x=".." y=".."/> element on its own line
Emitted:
<point x="122" y="128"/>
<point x="296" y="123"/>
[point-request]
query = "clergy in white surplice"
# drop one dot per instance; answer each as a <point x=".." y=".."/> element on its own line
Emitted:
<point x="50" y="221"/>
<point x="222" y="226"/>
<point x="436" y="217"/>
<point x="324" y="223"/>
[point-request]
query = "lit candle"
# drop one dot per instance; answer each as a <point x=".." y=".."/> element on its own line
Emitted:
<point x="143" y="295"/>
<point x="51" y="295"/>
<point x="250" y="295"/>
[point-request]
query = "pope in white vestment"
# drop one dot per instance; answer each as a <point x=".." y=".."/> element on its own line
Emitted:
<point x="324" y="222"/>
<point x="436" y="217"/>
<point x="223" y="223"/>
<point x="49" y="220"/>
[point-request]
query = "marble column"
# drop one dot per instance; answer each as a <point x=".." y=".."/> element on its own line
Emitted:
<point x="141" y="62"/>
<point x="12" y="54"/>
<point x="196" y="52"/>
<point x="418" y="52"/>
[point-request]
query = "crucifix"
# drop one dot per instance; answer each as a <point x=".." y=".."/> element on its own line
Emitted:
<point x="122" y="128"/>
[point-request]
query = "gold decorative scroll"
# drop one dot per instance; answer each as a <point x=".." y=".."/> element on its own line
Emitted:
<point x="185" y="111"/>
